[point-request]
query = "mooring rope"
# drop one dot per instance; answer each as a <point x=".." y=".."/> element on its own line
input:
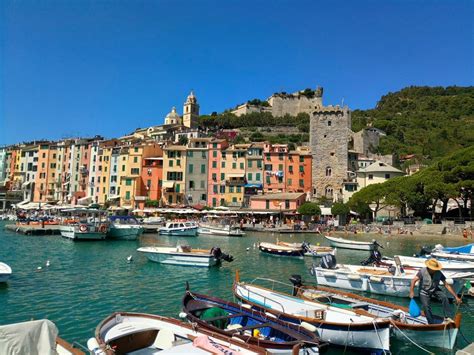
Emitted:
<point x="412" y="341"/>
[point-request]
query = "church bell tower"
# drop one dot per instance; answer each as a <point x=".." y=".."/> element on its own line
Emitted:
<point x="190" y="111"/>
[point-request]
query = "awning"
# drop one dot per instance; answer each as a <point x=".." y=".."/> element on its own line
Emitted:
<point x="25" y="184"/>
<point x="140" y="198"/>
<point x="127" y="207"/>
<point x="113" y="197"/>
<point x="84" y="201"/>
<point x="242" y="175"/>
<point x="326" y="211"/>
<point x="168" y="184"/>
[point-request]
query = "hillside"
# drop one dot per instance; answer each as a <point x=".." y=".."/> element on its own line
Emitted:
<point x="429" y="122"/>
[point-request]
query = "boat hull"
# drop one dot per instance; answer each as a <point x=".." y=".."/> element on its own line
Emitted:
<point x="124" y="232"/>
<point x="217" y="231"/>
<point x="276" y="250"/>
<point x="343" y="244"/>
<point x="179" y="233"/>
<point x="183" y="259"/>
<point x="5" y="277"/>
<point x="452" y="256"/>
<point x="73" y="233"/>
<point x="379" y="284"/>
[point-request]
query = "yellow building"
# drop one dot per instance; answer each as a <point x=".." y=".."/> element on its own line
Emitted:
<point x="174" y="173"/>
<point x="233" y="173"/>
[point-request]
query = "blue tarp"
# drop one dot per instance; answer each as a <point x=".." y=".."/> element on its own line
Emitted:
<point x="258" y="186"/>
<point x="465" y="249"/>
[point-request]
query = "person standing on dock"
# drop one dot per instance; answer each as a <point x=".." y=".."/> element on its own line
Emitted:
<point x="430" y="277"/>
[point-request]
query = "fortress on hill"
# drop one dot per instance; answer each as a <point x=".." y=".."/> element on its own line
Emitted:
<point x="281" y="104"/>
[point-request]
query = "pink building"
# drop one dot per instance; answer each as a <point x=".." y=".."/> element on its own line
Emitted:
<point x="215" y="179"/>
<point x="278" y="202"/>
<point x="275" y="161"/>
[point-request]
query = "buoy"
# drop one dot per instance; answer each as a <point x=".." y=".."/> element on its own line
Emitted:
<point x="48" y="263"/>
<point x="129" y="258"/>
<point x="248" y="249"/>
<point x="39" y="268"/>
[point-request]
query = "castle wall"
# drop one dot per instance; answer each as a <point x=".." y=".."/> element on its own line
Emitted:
<point x="329" y="136"/>
<point x="292" y="105"/>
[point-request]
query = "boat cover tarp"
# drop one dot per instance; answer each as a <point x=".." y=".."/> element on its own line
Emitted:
<point x="214" y="312"/>
<point x="37" y="337"/>
<point x="465" y="249"/>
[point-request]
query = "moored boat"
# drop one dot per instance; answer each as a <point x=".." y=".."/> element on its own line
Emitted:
<point x="390" y="281"/>
<point x="279" y="249"/>
<point x="181" y="229"/>
<point x="250" y="326"/>
<point x="85" y="224"/>
<point x="139" y="333"/>
<point x="34" y="337"/>
<point x="462" y="253"/>
<point x="351" y="244"/>
<point x="312" y="250"/>
<point x="185" y="255"/>
<point x="442" y="334"/>
<point x="124" y="227"/>
<point x="223" y="230"/>
<point x="342" y="327"/>
<point x="5" y="272"/>
<point x="418" y="263"/>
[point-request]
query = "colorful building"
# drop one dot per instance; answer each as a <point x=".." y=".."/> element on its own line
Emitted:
<point x="298" y="171"/>
<point x="196" y="176"/>
<point x="174" y="174"/>
<point x="275" y="166"/>
<point x="215" y="179"/>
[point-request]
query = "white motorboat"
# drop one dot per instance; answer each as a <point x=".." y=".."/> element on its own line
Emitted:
<point x="5" y="272"/>
<point x="442" y="334"/>
<point x="379" y="279"/>
<point x="351" y="244"/>
<point x="180" y="229"/>
<point x="143" y="334"/>
<point x="282" y="249"/>
<point x="343" y="327"/>
<point x="312" y="250"/>
<point x="34" y="337"/>
<point x="220" y="229"/>
<point x="418" y="263"/>
<point x="185" y="255"/>
<point x="84" y="224"/>
<point x="124" y="228"/>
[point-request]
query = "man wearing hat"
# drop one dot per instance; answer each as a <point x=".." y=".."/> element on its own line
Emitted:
<point x="430" y="277"/>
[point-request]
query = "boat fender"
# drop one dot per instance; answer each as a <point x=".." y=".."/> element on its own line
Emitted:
<point x="308" y="327"/>
<point x="94" y="347"/>
<point x="353" y="277"/>
<point x="449" y="281"/>
<point x="271" y="315"/>
<point x="245" y="305"/>
<point x="182" y="315"/>
<point x="375" y="279"/>
<point x="102" y="228"/>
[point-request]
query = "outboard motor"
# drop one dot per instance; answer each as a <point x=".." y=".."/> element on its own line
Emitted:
<point x="328" y="261"/>
<point x="297" y="283"/>
<point x="219" y="255"/>
<point x="374" y="258"/>
<point x="425" y="250"/>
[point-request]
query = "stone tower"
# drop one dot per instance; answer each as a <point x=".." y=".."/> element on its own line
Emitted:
<point x="330" y="129"/>
<point x="190" y="111"/>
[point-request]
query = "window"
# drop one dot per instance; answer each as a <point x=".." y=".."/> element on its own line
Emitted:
<point x="174" y="176"/>
<point x="203" y="155"/>
<point x="135" y="171"/>
<point x="222" y="189"/>
<point x="123" y="168"/>
<point x="290" y="182"/>
<point x="203" y="168"/>
<point x="328" y="191"/>
<point x="387" y="176"/>
<point x="234" y="199"/>
<point x="287" y="204"/>
<point x="249" y="163"/>
<point x="371" y="177"/>
<point x="267" y="204"/>
<point x="223" y="164"/>
<point x="280" y="167"/>
<point x="170" y="163"/>
<point x="234" y="165"/>
<point x="222" y="176"/>
<point x="203" y="197"/>
<point x="128" y="182"/>
<point x="214" y="176"/>
<point x="301" y="159"/>
<point x="214" y="202"/>
<point x="178" y="187"/>
<point x="214" y="145"/>
<point x="301" y="169"/>
<point x="328" y="171"/>
<point x="241" y="165"/>
<point x="135" y="159"/>
<point x="280" y="156"/>
<point x="178" y="162"/>
<point x="170" y="199"/>
<point x="257" y="176"/>
<point x="290" y="169"/>
<point x="239" y="189"/>
<point x="301" y="183"/>
<point x="214" y="164"/>
<point x="191" y="168"/>
<point x="268" y="180"/>
<point x="259" y="164"/>
<point x="267" y="155"/>
<point x="249" y="176"/>
<point x="231" y="189"/>
<point x="329" y="123"/>
<point x="191" y="184"/>
<point x="203" y="184"/>
<point x="127" y="195"/>
<point x="268" y="167"/>
<point x="215" y="189"/>
<point x="135" y="149"/>
<point x="214" y="153"/>
<point x="190" y="153"/>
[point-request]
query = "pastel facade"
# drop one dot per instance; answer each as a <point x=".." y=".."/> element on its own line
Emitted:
<point x="281" y="201"/>
<point x="174" y="174"/>
<point x="233" y="173"/>
<point x="196" y="177"/>
<point x="216" y="174"/>
<point x="152" y="177"/>
<point x="275" y="166"/>
<point x="298" y="171"/>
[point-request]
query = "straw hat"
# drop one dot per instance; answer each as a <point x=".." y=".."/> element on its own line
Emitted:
<point x="433" y="264"/>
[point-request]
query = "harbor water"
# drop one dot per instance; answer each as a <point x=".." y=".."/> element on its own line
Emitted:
<point x="87" y="281"/>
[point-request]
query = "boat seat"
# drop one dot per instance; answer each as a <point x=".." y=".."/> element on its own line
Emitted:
<point x="164" y="340"/>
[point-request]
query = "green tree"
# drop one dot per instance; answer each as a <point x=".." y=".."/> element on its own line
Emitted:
<point x="309" y="209"/>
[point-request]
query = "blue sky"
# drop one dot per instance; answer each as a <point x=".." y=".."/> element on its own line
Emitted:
<point x="80" y="67"/>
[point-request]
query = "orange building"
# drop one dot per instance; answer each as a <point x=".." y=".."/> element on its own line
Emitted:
<point x="275" y="160"/>
<point x="298" y="170"/>
<point x="152" y="178"/>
